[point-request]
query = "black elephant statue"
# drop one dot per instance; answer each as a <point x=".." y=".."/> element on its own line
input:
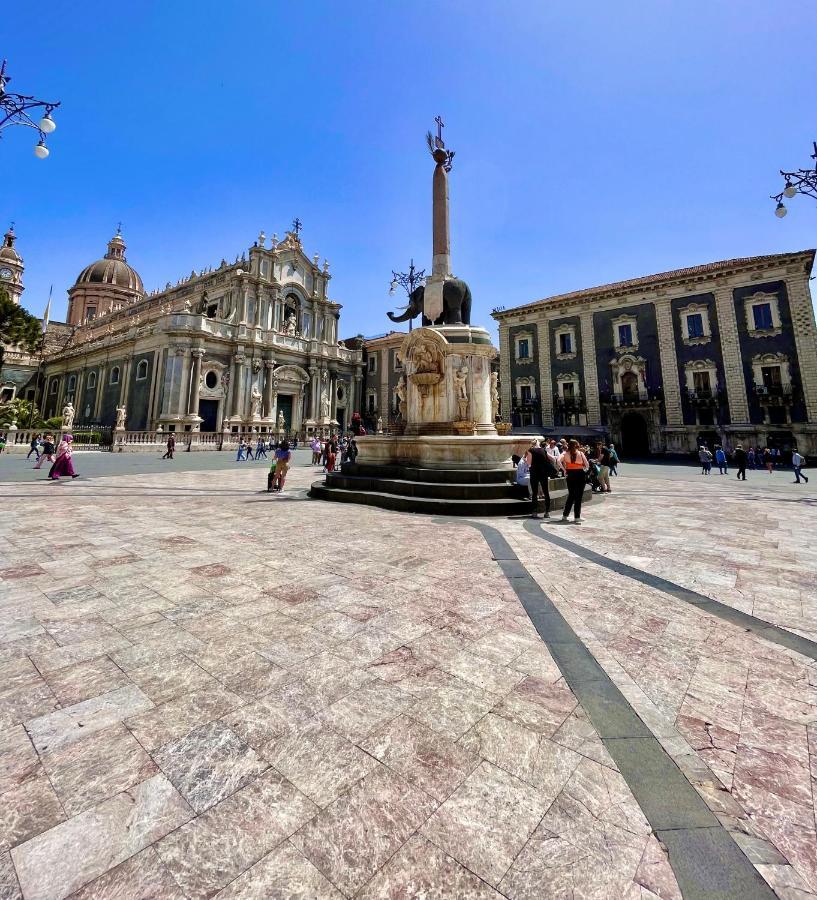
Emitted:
<point x="456" y="305"/>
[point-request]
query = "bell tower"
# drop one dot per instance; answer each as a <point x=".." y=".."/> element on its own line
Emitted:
<point x="11" y="267"/>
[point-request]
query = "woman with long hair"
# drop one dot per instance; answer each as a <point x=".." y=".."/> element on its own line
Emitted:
<point x="576" y="466"/>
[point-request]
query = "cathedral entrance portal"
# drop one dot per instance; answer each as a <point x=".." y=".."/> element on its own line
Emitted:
<point x="208" y="411"/>
<point x="635" y="440"/>
<point x="285" y="407"/>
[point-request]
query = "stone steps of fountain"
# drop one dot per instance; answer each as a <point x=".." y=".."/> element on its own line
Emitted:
<point x="386" y="496"/>
<point x="407" y="487"/>
<point x="444" y="476"/>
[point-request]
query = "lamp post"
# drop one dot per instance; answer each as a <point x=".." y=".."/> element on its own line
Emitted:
<point x="408" y="281"/>
<point x="803" y="181"/>
<point x="17" y="109"/>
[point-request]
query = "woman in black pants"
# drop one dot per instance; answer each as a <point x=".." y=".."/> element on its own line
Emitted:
<point x="575" y="464"/>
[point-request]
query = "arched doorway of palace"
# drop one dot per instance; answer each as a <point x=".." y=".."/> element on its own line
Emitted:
<point x="635" y="439"/>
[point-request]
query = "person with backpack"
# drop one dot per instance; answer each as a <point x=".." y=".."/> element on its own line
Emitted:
<point x="614" y="460"/>
<point x="540" y="468"/>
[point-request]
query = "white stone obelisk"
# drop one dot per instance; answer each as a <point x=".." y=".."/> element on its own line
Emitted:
<point x="441" y="244"/>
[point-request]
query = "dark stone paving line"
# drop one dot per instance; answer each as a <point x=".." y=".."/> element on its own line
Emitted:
<point x="707" y="863"/>
<point x="763" y="629"/>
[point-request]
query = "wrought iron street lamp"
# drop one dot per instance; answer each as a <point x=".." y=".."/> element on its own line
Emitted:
<point x="803" y="181"/>
<point x="18" y="109"/>
<point x="408" y="281"/>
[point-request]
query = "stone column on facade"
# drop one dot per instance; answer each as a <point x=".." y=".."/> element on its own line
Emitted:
<point x="269" y="383"/>
<point x="124" y="387"/>
<point x="506" y="388"/>
<point x="184" y="385"/>
<point x="545" y="375"/>
<point x="78" y="398"/>
<point x="669" y="363"/>
<point x="383" y="402"/>
<point x="314" y="392"/>
<point x="195" y="388"/>
<point x="156" y="380"/>
<point x="333" y="396"/>
<point x="805" y="342"/>
<point x="732" y="362"/>
<point x="232" y="411"/>
<point x="591" y="375"/>
<point x="100" y="388"/>
<point x="358" y="384"/>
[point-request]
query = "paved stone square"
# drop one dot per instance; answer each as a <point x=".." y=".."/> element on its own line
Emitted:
<point x="208" y="691"/>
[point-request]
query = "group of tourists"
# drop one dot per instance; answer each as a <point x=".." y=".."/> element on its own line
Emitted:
<point x="768" y="458"/>
<point x="579" y="464"/>
<point x="326" y="451"/>
<point x="60" y="455"/>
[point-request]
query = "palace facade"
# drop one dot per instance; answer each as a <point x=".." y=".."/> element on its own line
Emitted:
<point x="248" y="345"/>
<point x="724" y="352"/>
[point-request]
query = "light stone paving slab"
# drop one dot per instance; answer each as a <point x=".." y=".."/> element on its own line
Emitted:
<point x="370" y="681"/>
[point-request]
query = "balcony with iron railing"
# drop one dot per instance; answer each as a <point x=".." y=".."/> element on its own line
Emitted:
<point x="632" y="398"/>
<point x="705" y="396"/>
<point x="576" y="403"/>
<point x="776" y="394"/>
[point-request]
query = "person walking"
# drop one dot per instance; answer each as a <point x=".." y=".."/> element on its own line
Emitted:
<point x="576" y="466"/>
<point x="171" y="447"/>
<point x="47" y="452"/>
<point x="282" y="458"/>
<point x="720" y="459"/>
<point x="750" y="457"/>
<point x="740" y="461"/>
<point x="768" y="461"/>
<point x="798" y="462"/>
<point x="241" y="447"/>
<point x="315" y="446"/>
<point x="260" y="449"/>
<point x="248" y="449"/>
<point x="63" y="464"/>
<point x="706" y="460"/>
<point x="614" y="460"/>
<point x="540" y="468"/>
<point x="34" y="447"/>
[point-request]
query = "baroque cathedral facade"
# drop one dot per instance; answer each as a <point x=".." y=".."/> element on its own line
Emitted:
<point x="246" y="346"/>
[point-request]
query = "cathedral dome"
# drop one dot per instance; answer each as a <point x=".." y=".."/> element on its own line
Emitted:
<point x="112" y="269"/>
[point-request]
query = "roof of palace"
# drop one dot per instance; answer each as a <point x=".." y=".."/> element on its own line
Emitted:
<point x="649" y="281"/>
<point x="113" y="269"/>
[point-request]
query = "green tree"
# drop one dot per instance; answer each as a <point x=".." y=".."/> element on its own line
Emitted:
<point x="18" y="328"/>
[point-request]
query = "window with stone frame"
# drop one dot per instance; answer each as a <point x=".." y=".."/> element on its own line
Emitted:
<point x="625" y="335"/>
<point x="114" y="375"/>
<point x="702" y="383"/>
<point x="525" y="393"/>
<point x="72" y="382"/>
<point x="762" y="315"/>
<point x="92" y="379"/>
<point x="695" y="325"/>
<point x="523" y="348"/>
<point x="372" y="364"/>
<point x="142" y="370"/>
<point x="55" y="383"/>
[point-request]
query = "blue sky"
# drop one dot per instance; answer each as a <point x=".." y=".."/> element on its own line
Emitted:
<point x="594" y="141"/>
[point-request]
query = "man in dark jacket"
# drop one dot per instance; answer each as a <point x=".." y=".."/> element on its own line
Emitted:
<point x="171" y="446"/>
<point x="740" y="462"/>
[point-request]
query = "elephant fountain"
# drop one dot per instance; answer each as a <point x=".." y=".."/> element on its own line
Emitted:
<point x="456" y="305"/>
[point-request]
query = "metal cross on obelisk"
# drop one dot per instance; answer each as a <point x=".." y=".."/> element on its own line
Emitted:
<point x="297" y="225"/>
